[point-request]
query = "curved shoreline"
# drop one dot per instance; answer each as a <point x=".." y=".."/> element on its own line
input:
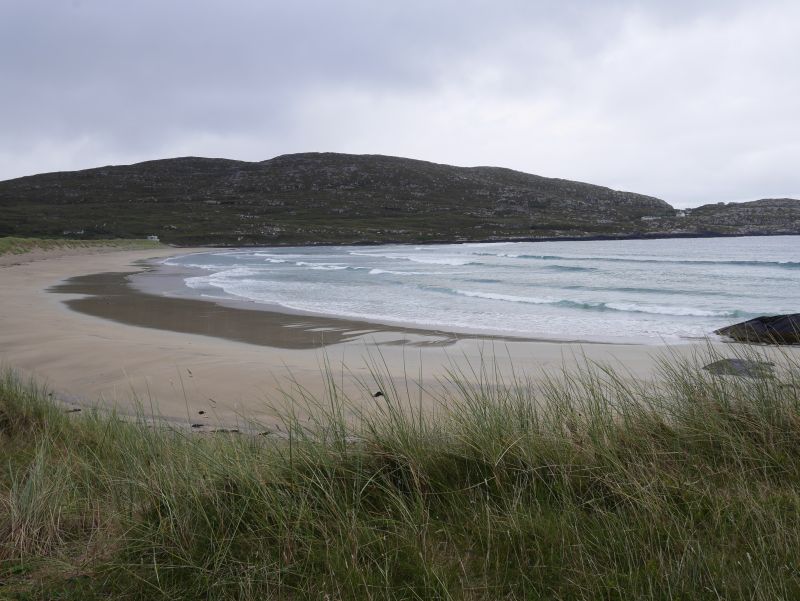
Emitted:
<point x="111" y="296"/>
<point x="176" y="375"/>
<point x="495" y="320"/>
<point x="154" y="281"/>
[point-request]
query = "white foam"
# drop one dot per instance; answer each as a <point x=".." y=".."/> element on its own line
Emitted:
<point x="196" y="283"/>
<point x="377" y="271"/>
<point x="508" y="297"/>
<point x="667" y="310"/>
<point x="322" y="266"/>
<point x="221" y="278"/>
<point x="277" y="255"/>
<point x="406" y="285"/>
<point x="423" y="259"/>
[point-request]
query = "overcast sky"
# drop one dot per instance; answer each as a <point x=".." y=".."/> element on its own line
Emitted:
<point x="690" y="101"/>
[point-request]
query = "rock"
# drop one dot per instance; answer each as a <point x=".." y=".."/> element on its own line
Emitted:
<point x="740" y="367"/>
<point x="775" y="329"/>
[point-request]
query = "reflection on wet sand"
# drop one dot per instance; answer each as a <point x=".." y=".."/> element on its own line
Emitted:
<point x="110" y="296"/>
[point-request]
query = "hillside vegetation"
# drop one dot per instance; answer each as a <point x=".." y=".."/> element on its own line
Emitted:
<point x="338" y="198"/>
<point x="587" y="487"/>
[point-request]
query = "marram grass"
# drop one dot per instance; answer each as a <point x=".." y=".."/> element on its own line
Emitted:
<point x="17" y="246"/>
<point x="589" y="486"/>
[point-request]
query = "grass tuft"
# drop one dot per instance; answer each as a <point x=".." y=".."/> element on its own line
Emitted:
<point x="589" y="485"/>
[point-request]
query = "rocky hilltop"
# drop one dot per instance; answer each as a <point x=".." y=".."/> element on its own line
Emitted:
<point x="339" y="198"/>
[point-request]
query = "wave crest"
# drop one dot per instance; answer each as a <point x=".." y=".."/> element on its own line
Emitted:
<point x="603" y="306"/>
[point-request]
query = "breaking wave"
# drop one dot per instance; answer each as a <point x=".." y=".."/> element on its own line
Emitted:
<point x="606" y="290"/>
<point x="602" y="306"/>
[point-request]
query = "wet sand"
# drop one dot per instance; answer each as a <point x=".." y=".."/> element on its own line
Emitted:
<point x="111" y="296"/>
<point x="75" y="323"/>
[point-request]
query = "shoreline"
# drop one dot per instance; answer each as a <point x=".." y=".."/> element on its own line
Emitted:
<point x="111" y="296"/>
<point x="191" y="377"/>
<point x="168" y="279"/>
<point x="167" y="285"/>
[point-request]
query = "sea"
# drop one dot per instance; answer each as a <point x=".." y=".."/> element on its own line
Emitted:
<point x="638" y="291"/>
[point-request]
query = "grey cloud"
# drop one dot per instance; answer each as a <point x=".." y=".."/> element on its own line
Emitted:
<point x="689" y="101"/>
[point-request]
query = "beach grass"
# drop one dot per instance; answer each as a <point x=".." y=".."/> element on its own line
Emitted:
<point x="589" y="485"/>
<point x="18" y="246"/>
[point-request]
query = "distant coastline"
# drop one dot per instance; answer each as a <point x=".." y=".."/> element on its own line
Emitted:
<point x="654" y="236"/>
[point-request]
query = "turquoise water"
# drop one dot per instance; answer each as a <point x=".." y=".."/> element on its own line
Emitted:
<point x="633" y="290"/>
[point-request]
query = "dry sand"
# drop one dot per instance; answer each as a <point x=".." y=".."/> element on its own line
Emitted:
<point x="89" y="360"/>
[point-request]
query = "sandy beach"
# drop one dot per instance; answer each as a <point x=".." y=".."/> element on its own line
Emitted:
<point x="197" y="362"/>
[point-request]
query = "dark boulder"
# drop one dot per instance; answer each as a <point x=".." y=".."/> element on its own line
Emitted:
<point x="774" y="329"/>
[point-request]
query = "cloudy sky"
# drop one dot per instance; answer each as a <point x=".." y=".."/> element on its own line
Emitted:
<point x="690" y="101"/>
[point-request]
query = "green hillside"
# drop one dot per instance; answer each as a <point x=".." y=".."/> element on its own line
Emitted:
<point x="338" y="198"/>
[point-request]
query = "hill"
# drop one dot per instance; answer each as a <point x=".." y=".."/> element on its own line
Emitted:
<point x="339" y="198"/>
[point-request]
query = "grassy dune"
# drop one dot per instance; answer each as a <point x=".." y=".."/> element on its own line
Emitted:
<point x="18" y="246"/>
<point x="586" y="487"/>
